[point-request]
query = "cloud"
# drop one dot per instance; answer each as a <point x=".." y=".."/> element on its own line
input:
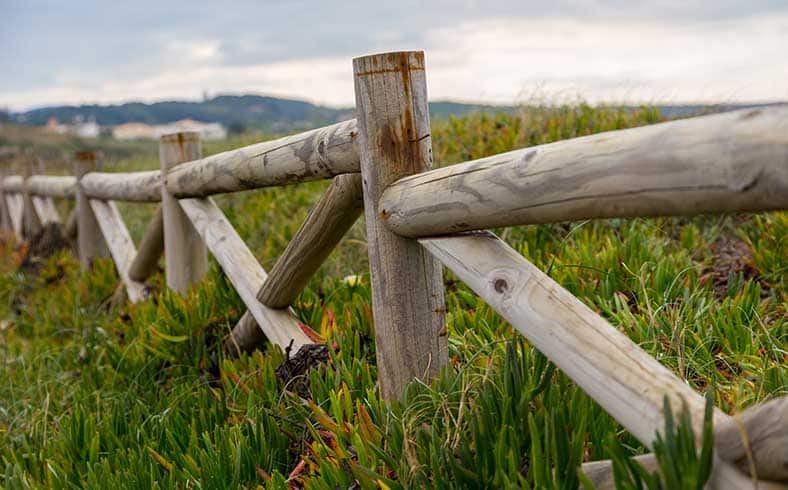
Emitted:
<point x="494" y="51"/>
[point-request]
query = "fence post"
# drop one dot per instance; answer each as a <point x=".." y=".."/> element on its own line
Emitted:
<point x="90" y="241"/>
<point x="185" y="255"/>
<point x="407" y="286"/>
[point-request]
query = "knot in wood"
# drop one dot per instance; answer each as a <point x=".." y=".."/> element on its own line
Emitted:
<point x="500" y="285"/>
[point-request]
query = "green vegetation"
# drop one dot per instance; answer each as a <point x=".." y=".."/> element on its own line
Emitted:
<point x="142" y="397"/>
<point x="237" y="112"/>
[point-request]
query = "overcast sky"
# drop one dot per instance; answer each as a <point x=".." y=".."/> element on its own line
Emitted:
<point x="80" y="51"/>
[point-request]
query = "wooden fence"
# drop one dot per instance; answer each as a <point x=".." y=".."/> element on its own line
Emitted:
<point x="418" y="219"/>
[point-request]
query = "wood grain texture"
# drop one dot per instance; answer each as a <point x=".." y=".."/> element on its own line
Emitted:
<point x="331" y="218"/>
<point x="407" y="286"/>
<point x="90" y="241"/>
<point x="736" y="161"/>
<point x="245" y="273"/>
<point x="313" y="155"/>
<point x="151" y="247"/>
<point x="760" y="433"/>
<point x="328" y="221"/>
<point x="185" y="255"/>
<point x="63" y="187"/>
<point x="45" y="210"/>
<point x="123" y="186"/>
<point x="628" y="383"/>
<point x="120" y="245"/>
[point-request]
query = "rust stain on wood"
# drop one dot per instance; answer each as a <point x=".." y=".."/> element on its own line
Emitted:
<point x="85" y="155"/>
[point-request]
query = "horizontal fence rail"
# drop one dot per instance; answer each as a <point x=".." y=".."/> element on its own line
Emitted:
<point x="418" y="219"/>
<point x="14" y="183"/>
<point x="736" y="161"/>
<point x="51" y="186"/>
<point x="129" y="186"/>
<point x="314" y="155"/>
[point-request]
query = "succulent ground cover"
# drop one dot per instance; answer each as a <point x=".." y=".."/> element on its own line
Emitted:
<point x="96" y="394"/>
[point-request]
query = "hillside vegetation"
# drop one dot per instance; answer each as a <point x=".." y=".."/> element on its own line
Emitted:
<point x="234" y="111"/>
<point x="102" y="396"/>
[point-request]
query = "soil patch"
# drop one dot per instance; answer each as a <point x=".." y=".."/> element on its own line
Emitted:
<point x="292" y="373"/>
<point x="49" y="240"/>
<point x="731" y="256"/>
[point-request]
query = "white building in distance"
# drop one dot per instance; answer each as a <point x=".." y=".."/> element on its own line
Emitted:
<point x="134" y="131"/>
<point x="208" y="131"/>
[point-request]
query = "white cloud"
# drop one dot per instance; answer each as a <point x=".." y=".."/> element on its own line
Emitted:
<point x="498" y="60"/>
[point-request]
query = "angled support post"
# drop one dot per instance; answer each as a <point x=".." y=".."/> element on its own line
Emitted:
<point x="44" y="205"/>
<point x="328" y="221"/>
<point x="407" y="285"/>
<point x="120" y="245"/>
<point x="185" y="255"/>
<point x="150" y="249"/>
<point x="30" y="218"/>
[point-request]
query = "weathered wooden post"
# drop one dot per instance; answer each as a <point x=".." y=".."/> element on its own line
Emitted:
<point x="185" y="255"/>
<point x="90" y="241"/>
<point x="407" y="286"/>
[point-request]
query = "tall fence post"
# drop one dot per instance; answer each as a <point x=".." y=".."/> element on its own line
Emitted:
<point x="185" y="255"/>
<point x="90" y="241"/>
<point x="407" y="285"/>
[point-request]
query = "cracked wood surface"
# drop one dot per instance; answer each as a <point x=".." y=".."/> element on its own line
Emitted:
<point x="245" y="273"/>
<point x="313" y="155"/>
<point x="737" y="161"/>
<point x="120" y="245"/>
<point x="123" y="186"/>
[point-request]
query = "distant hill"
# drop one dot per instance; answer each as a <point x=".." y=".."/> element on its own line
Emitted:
<point x="233" y="111"/>
<point x="270" y="114"/>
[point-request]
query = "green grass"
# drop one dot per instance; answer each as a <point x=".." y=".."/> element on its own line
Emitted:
<point x="142" y="397"/>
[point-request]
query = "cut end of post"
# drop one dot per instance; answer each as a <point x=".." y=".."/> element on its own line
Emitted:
<point x="180" y="137"/>
<point x="86" y="156"/>
<point x="386" y="62"/>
